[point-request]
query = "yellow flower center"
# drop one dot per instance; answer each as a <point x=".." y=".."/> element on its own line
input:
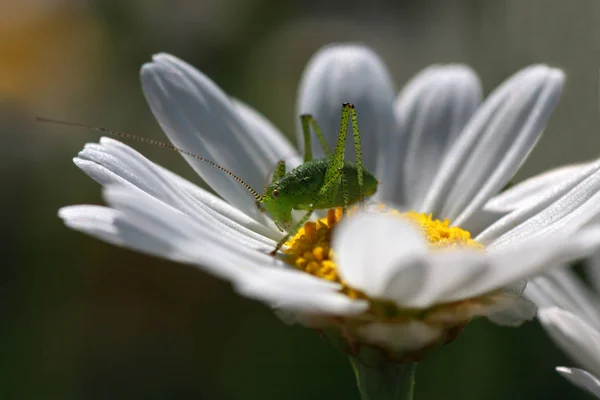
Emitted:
<point x="310" y="248"/>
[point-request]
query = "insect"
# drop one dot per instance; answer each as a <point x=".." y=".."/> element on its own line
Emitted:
<point x="315" y="184"/>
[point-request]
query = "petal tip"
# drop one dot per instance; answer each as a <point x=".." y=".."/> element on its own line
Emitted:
<point x="147" y="70"/>
<point x="557" y="75"/>
<point x="64" y="212"/>
<point x="457" y="76"/>
<point x="564" y="370"/>
<point x="162" y="57"/>
<point x="461" y="71"/>
<point x="544" y="73"/>
<point x="346" y="52"/>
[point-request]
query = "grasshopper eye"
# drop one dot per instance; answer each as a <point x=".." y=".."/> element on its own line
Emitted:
<point x="275" y="193"/>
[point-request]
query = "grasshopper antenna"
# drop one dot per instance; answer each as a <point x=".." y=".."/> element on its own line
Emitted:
<point x="158" y="143"/>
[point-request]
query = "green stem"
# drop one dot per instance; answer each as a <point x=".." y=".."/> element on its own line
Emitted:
<point x="385" y="382"/>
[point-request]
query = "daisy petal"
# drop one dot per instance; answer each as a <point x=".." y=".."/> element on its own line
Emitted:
<point x="114" y="227"/>
<point x="96" y="221"/>
<point x="494" y="144"/>
<point x="582" y="379"/>
<point x="574" y="336"/>
<point x="560" y="213"/>
<point x="432" y="110"/>
<point x="482" y="219"/>
<point x="562" y="288"/>
<point x="381" y="255"/>
<point x="275" y="146"/>
<point x="152" y="214"/>
<point x="292" y="290"/>
<point x="592" y="270"/>
<point x="225" y="212"/>
<point x="520" y="310"/>
<point x="387" y="258"/>
<point x="541" y="298"/>
<point x="534" y="189"/>
<point x="580" y="184"/>
<point x="531" y="258"/>
<point x="199" y="118"/>
<point x="340" y="74"/>
<point x="147" y="225"/>
<point x="447" y="273"/>
<point x="112" y="162"/>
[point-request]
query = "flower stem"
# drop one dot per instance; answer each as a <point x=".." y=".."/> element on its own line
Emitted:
<point x="384" y="382"/>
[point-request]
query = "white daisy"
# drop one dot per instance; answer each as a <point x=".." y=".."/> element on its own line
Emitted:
<point x="391" y="283"/>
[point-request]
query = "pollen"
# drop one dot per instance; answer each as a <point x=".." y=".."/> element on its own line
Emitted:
<point x="439" y="233"/>
<point x="310" y="248"/>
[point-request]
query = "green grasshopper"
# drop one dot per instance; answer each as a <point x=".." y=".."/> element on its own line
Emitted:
<point x="321" y="183"/>
<point x="315" y="184"/>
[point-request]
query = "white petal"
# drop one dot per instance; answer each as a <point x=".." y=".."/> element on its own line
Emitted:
<point x="494" y="143"/>
<point x="532" y="190"/>
<point x="112" y="162"/>
<point x="482" y="219"/>
<point x="97" y="221"/>
<point x="530" y="258"/>
<point x="581" y="378"/>
<point x="405" y="337"/>
<point x="225" y="212"/>
<point x="198" y="117"/>
<point x="448" y="272"/>
<point x="541" y="298"/>
<point x="548" y="206"/>
<point x="293" y="290"/>
<point x="151" y="213"/>
<point x="593" y="270"/>
<point x="116" y="228"/>
<point x="432" y="110"/>
<point x="563" y="215"/>
<point x="275" y="146"/>
<point x="147" y="225"/>
<point x="579" y="340"/>
<point x="515" y="314"/>
<point x="388" y="258"/>
<point x="562" y="288"/>
<point x="339" y="74"/>
<point x="381" y="255"/>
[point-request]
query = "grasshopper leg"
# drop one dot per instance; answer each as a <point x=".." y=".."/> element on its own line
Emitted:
<point x="357" y="147"/>
<point x="308" y="121"/>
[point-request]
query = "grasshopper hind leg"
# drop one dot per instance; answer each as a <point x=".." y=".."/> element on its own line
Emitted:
<point x="344" y="194"/>
<point x="358" y="149"/>
<point x="307" y="121"/>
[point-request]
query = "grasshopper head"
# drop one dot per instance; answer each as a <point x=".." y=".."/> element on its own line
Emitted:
<point x="279" y="204"/>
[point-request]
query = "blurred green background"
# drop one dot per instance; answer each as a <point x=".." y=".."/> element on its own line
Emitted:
<point x="84" y="320"/>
